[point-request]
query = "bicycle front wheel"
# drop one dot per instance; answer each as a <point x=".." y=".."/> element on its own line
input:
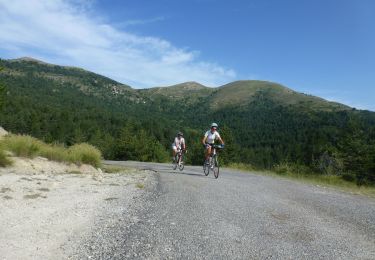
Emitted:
<point x="174" y="163"/>
<point x="206" y="168"/>
<point x="216" y="168"/>
<point x="181" y="164"/>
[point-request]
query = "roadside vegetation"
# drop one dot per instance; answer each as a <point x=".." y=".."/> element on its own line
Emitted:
<point x="306" y="175"/>
<point x="117" y="169"/>
<point x="4" y="160"/>
<point x="30" y="147"/>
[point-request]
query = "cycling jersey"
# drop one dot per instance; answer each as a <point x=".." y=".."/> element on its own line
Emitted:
<point x="179" y="143"/>
<point x="211" y="137"/>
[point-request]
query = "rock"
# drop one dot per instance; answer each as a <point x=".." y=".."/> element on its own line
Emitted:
<point x="2" y="132"/>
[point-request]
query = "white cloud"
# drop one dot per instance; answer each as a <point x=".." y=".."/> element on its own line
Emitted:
<point x="142" y="22"/>
<point x="64" y="32"/>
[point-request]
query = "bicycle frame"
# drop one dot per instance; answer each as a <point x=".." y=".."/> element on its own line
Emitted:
<point x="213" y="162"/>
<point x="179" y="155"/>
<point x="179" y="160"/>
<point x="213" y="154"/>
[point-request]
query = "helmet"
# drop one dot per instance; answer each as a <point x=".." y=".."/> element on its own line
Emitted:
<point x="214" y="125"/>
<point x="180" y="134"/>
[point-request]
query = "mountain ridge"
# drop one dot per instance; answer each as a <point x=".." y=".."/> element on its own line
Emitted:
<point x="240" y="92"/>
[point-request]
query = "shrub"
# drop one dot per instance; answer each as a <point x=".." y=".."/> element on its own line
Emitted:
<point x="22" y="145"/>
<point x="282" y="168"/>
<point x="84" y="153"/>
<point x="27" y="146"/>
<point x="348" y="177"/>
<point x="329" y="164"/>
<point x="54" y="152"/>
<point x="4" y="161"/>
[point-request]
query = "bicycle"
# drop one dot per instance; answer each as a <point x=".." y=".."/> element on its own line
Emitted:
<point x="213" y="162"/>
<point x="178" y="160"/>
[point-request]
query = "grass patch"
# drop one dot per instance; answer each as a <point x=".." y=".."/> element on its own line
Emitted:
<point x="30" y="147"/>
<point x="304" y="175"/>
<point x="332" y="181"/>
<point x="113" y="169"/>
<point x="241" y="166"/>
<point x="4" y="160"/>
<point x="118" y="169"/>
<point x="22" y="145"/>
<point x="54" y="152"/>
<point x="85" y="153"/>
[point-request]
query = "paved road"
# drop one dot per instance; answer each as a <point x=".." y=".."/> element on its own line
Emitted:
<point x="246" y="216"/>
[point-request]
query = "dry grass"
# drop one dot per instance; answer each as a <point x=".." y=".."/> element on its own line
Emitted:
<point x="4" y="160"/>
<point x="30" y="147"/>
<point x="85" y="153"/>
<point x="119" y="169"/>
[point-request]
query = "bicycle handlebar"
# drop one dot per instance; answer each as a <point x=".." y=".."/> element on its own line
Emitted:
<point x="217" y="146"/>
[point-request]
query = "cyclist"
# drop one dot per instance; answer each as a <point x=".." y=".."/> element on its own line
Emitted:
<point x="209" y="139"/>
<point x="178" y="144"/>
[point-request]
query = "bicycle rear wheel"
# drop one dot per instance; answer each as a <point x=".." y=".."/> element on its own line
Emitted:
<point x="216" y="167"/>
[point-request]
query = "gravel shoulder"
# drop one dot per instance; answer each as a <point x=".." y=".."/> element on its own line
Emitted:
<point x="49" y="214"/>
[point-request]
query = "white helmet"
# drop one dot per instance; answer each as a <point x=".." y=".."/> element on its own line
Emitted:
<point x="214" y="125"/>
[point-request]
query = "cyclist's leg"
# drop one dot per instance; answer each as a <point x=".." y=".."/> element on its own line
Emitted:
<point x="208" y="152"/>
<point x="174" y="151"/>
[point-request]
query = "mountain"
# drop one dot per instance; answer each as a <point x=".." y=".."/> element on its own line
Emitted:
<point x="245" y="91"/>
<point x="238" y="93"/>
<point x="242" y="93"/>
<point x="264" y="124"/>
<point x="87" y="82"/>
<point x="189" y="92"/>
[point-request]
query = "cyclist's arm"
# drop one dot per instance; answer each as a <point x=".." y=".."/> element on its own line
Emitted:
<point x="221" y="140"/>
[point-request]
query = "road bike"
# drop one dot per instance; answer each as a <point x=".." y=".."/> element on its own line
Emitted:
<point x="178" y="161"/>
<point x="212" y="164"/>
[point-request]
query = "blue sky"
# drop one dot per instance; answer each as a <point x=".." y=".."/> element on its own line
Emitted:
<point x="325" y="48"/>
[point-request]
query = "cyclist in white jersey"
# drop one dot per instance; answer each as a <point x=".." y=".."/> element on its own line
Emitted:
<point x="209" y="139"/>
<point x="178" y="144"/>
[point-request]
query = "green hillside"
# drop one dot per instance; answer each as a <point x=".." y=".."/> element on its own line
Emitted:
<point x="264" y="124"/>
<point x="241" y="93"/>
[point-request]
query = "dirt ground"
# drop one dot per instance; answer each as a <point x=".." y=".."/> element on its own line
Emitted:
<point x="45" y="206"/>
